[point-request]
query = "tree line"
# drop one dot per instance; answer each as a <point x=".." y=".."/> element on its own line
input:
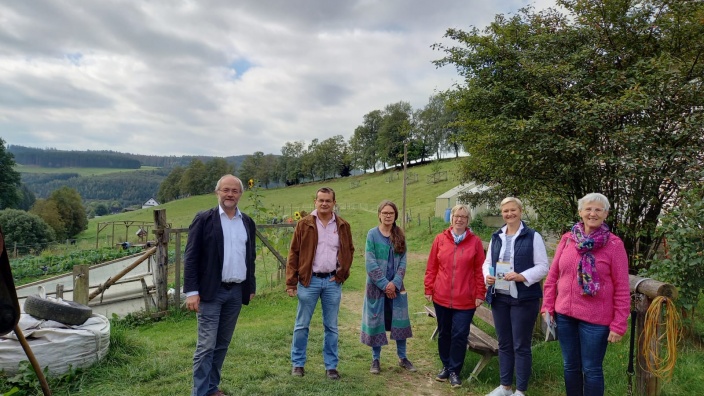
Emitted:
<point x="377" y="143"/>
<point x="53" y="158"/>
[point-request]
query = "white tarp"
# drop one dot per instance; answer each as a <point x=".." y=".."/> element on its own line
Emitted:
<point x="57" y="345"/>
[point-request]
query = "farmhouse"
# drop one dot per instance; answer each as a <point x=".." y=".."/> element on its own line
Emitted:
<point x="151" y="202"/>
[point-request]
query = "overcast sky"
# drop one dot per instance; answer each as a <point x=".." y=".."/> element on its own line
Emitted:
<point x="221" y="78"/>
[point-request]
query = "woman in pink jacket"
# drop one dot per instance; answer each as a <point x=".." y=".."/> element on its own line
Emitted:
<point x="587" y="294"/>
<point x="455" y="284"/>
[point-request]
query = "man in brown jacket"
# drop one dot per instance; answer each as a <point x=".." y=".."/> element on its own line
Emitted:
<point x="319" y="261"/>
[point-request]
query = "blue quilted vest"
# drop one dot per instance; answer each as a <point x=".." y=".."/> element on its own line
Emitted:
<point x="522" y="260"/>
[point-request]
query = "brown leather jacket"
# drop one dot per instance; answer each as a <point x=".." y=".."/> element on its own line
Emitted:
<point x="299" y="266"/>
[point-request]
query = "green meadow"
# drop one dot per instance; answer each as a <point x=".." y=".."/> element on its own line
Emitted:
<point x="154" y="357"/>
<point x="80" y="171"/>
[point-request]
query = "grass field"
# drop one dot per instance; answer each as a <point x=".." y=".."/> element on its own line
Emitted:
<point x="80" y="171"/>
<point x="154" y="358"/>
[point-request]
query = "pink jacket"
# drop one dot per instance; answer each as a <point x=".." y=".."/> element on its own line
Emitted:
<point x="454" y="273"/>
<point x="610" y="306"/>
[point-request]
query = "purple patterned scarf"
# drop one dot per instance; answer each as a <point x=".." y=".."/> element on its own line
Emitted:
<point x="586" y="271"/>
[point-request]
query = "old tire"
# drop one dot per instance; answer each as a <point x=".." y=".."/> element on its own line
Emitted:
<point x="66" y="312"/>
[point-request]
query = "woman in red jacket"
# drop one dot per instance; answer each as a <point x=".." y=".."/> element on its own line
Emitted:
<point x="455" y="284"/>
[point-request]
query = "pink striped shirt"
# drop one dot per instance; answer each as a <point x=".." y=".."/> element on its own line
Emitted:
<point x="325" y="259"/>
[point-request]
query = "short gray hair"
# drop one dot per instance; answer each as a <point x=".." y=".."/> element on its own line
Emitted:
<point x="217" y="186"/>
<point x="458" y="207"/>
<point x="512" y="199"/>
<point x="594" y="197"/>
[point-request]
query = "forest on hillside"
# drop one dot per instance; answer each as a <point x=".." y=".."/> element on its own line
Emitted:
<point x="119" y="189"/>
<point x="52" y="158"/>
<point x="128" y="188"/>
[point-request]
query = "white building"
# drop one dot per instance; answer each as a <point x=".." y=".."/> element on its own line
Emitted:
<point x="151" y="202"/>
<point x="450" y="198"/>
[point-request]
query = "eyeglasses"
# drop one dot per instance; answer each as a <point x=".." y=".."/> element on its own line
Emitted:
<point x="388" y="213"/>
<point x="594" y="210"/>
<point x="228" y="191"/>
<point x="461" y="217"/>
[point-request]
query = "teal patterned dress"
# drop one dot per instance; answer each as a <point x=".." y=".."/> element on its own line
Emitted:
<point x="379" y="255"/>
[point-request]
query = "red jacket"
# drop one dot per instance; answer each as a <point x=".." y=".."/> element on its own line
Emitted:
<point x="454" y="273"/>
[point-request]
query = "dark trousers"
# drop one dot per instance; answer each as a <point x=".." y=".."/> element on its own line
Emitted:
<point x="453" y="330"/>
<point x="514" y="320"/>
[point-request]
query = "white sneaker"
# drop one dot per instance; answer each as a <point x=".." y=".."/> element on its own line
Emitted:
<point x="501" y="391"/>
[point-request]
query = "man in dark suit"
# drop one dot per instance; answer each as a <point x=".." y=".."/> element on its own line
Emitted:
<point x="219" y="278"/>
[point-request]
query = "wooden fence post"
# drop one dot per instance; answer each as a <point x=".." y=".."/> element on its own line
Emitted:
<point x="177" y="270"/>
<point x="646" y="382"/>
<point x="162" y="259"/>
<point x="80" y="284"/>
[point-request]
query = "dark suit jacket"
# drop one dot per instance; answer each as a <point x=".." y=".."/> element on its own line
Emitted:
<point x="204" y="255"/>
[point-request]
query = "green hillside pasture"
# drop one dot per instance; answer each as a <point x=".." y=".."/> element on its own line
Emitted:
<point x="285" y="201"/>
<point x="79" y="171"/>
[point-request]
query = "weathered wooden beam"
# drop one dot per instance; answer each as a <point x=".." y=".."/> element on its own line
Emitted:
<point x="651" y="287"/>
<point x="122" y="273"/>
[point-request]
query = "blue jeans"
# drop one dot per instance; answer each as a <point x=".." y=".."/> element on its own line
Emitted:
<point x="583" y="349"/>
<point x="216" y="323"/>
<point x="330" y="293"/>
<point x="514" y="320"/>
<point x="453" y="330"/>
<point x="400" y="350"/>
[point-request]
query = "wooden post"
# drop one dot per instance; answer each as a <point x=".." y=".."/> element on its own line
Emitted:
<point x="177" y="270"/>
<point x="162" y="259"/>
<point x="80" y="284"/>
<point x="646" y="383"/>
<point x="405" y="160"/>
<point x="59" y="290"/>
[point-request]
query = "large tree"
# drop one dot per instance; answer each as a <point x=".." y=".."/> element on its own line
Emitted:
<point x="289" y="164"/>
<point x="606" y="97"/>
<point x="363" y="143"/>
<point x="48" y="211"/>
<point x="215" y="169"/>
<point x="9" y="179"/>
<point x="257" y="167"/>
<point x="170" y="188"/>
<point x="194" y="179"/>
<point x="71" y="210"/>
<point x="394" y="132"/>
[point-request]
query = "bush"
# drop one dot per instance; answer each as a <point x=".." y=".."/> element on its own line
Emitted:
<point x="683" y="264"/>
<point x="27" y="230"/>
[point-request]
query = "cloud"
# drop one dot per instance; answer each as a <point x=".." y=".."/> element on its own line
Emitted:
<point x="217" y="77"/>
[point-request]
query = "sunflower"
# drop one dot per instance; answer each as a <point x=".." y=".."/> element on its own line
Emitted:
<point x="297" y="216"/>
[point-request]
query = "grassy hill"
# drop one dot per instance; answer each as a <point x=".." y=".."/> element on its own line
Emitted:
<point x="80" y="171"/>
<point x="355" y="202"/>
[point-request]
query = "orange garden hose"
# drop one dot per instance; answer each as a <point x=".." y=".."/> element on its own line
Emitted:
<point x="662" y="364"/>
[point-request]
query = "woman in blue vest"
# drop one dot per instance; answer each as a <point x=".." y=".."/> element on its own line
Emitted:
<point x="515" y="263"/>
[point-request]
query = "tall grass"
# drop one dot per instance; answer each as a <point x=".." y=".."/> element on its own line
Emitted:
<point x="154" y="357"/>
